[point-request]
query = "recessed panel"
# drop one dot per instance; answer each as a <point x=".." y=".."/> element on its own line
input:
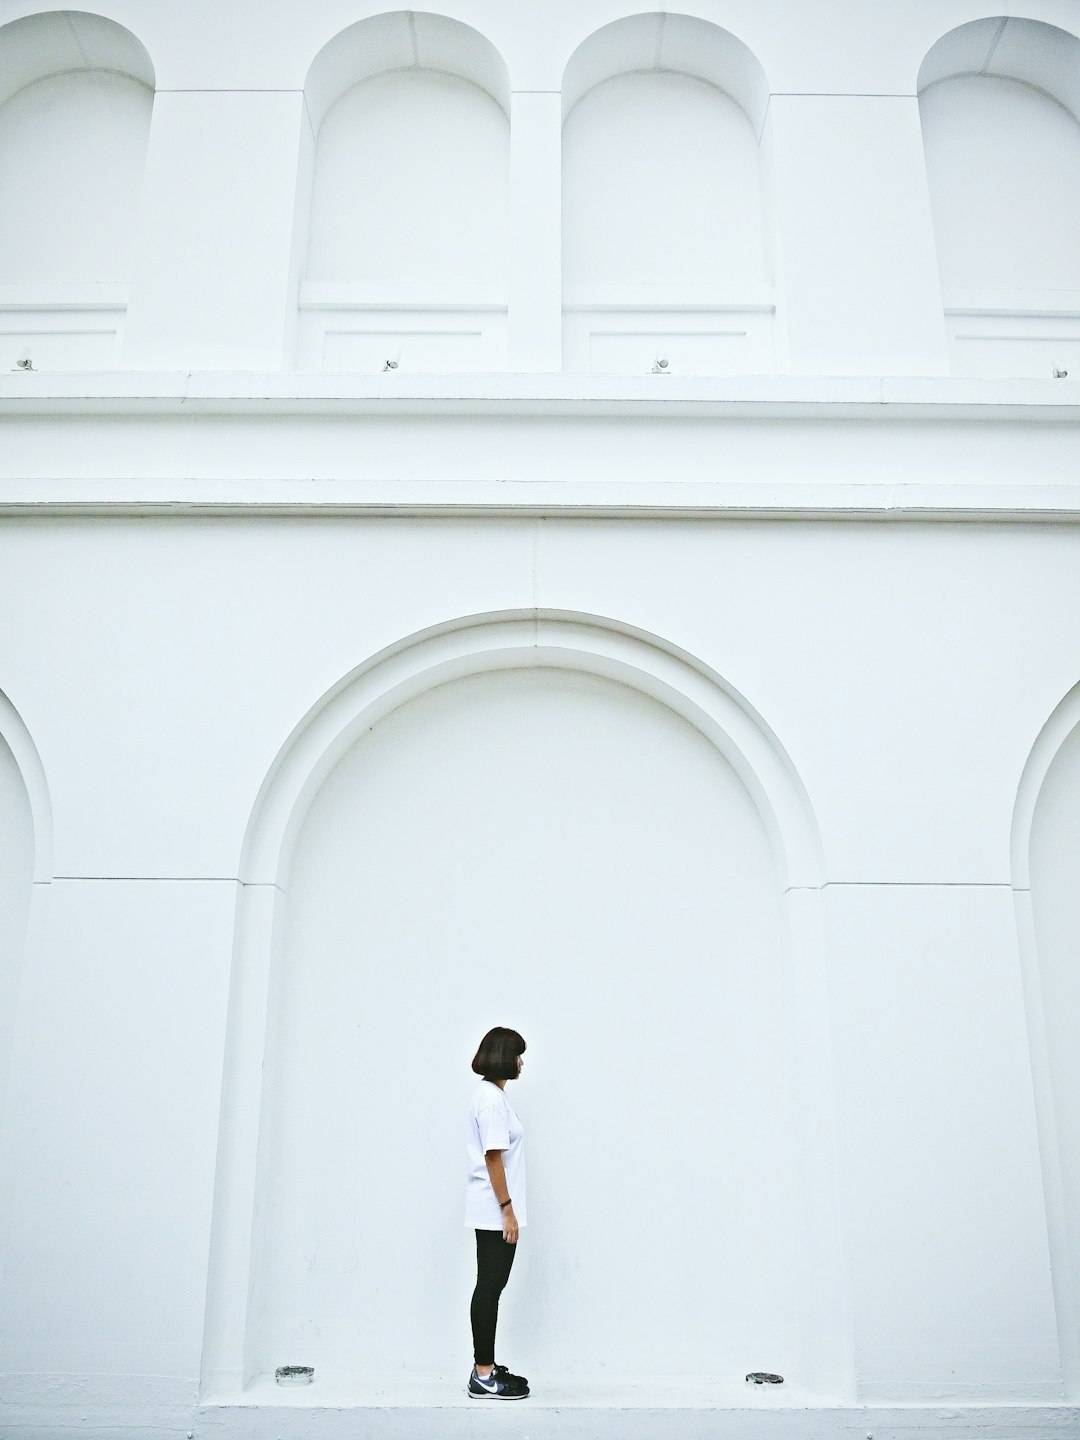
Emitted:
<point x="558" y="853"/>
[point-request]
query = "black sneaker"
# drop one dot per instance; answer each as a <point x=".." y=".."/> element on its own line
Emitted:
<point x="497" y="1387"/>
<point x="504" y="1374"/>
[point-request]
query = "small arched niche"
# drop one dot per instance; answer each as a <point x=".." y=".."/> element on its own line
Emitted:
<point x="76" y="95"/>
<point x="999" y="101"/>
<point x="1047" y="879"/>
<point x="407" y="261"/>
<point x="665" y="262"/>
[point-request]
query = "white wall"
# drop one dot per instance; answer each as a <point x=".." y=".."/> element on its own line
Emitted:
<point x="560" y="853"/>
<point x="878" y="571"/>
<point x="72" y="151"/>
<point x="216" y="254"/>
<point x="913" y="790"/>
<point x="687" y="211"/>
<point x="410" y="185"/>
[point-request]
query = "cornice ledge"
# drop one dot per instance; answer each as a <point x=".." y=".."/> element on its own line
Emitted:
<point x="774" y="397"/>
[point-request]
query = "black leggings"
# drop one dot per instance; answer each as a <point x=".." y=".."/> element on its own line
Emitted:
<point x="494" y="1257"/>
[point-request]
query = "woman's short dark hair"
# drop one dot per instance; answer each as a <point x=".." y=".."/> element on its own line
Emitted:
<point x="498" y="1054"/>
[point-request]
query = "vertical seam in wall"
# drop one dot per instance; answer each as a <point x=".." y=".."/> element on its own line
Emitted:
<point x="765" y="116"/>
<point x="78" y="42"/>
<point x="307" y="115"/>
<point x="189" y="427"/>
<point x="661" y="23"/>
<point x="411" y="18"/>
<point x="536" y="566"/>
<point x="994" y="43"/>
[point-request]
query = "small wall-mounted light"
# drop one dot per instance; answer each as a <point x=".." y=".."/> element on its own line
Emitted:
<point x="392" y="361"/>
<point x="23" y="362"/>
<point x="294" y="1374"/>
<point x="1060" y="373"/>
<point x="660" y="365"/>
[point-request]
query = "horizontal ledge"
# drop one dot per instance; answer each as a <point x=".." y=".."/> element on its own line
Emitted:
<point x="62" y="297"/>
<point x="768" y="1416"/>
<point x="617" y="500"/>
<point x="1023" y="304"/>
<point x="548" y="394"/>
<point x="328" y="295"/>
<point x="753" y="300"/>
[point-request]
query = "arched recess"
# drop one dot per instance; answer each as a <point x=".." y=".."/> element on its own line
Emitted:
<point x="665" y="255"/>
<point x="447" y="660"/>
<point x="1046" y="888"/>
<point x="999" y="100"/>
<point x="407" y="200"/>
<point x="25" y="871"/>
<point x="76" y="92"/>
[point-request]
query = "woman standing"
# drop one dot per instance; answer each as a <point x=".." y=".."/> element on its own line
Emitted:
<point x="494" y="1204"/>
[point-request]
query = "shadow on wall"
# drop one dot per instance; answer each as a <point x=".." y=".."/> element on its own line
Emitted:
<point x="25" y="868"/>
<point x="1046" y="866"/>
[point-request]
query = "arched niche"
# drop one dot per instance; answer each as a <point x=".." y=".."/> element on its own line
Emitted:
<point x="75" y="100"/>
<point x="408" y="210"/>
<point x="999" y="101"/>
<point x="25" y="868"/>
<point x="632" y="759"/>
<point x="1046" y="883"/>
<point x="664" y="243"/>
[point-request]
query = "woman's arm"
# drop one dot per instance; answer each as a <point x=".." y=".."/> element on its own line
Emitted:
<point x="497" y="1175"/>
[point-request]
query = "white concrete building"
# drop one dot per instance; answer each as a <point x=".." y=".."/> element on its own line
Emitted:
<point x="557" y="516"/>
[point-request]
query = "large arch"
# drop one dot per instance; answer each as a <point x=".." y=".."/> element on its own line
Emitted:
<point x="1045" y="849"/>
<point x="518" y="641"/>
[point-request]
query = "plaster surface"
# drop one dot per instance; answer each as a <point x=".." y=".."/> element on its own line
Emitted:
<point x="732" y="697"/>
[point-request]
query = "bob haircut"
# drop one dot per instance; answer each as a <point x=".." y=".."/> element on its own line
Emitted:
<point x="498" y="1054"/>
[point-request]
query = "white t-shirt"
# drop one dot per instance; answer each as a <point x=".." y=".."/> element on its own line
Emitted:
<point x="493" y="1125"/>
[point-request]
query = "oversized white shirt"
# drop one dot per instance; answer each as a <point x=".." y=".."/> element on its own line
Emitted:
<point x="492" y="1125"/>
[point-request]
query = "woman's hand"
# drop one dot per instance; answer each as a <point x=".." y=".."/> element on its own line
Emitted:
<point x="497" y="1176"/>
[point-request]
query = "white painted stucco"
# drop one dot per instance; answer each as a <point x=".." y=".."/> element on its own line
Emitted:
<point x="714" y="719"/>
